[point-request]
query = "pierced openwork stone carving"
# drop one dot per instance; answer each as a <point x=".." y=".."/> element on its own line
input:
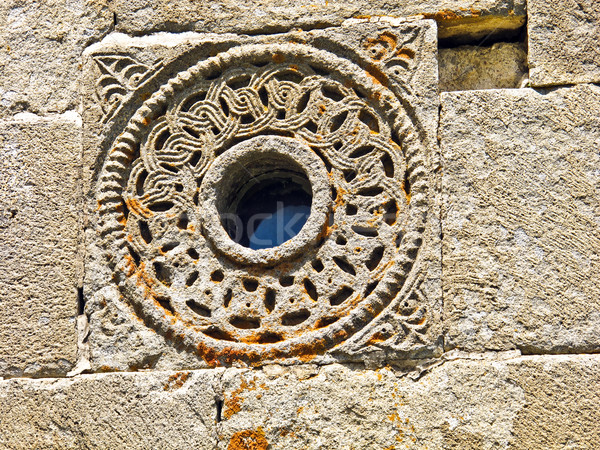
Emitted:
<point x="256" y="112"/>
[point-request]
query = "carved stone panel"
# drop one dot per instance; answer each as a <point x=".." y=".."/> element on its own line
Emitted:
<point x="183" y="134"/>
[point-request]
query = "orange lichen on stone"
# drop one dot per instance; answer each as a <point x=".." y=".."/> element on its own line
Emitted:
<point x="381" y="47"/>
<point x="248" y="440"/>
<point x="405" y="53"/>
<point x="278" y="58"/>
<point x="134" y="205"/>
<point x="448" y="15"/>
<point x="407" y="194"/>
<point x="443" y="15"/>
<point x="233" y="402"/>
<point x="130" y="264"/>
<point x="377" y="76"/>
<point x="176" y="380"/>
<point x="376" y="339"/>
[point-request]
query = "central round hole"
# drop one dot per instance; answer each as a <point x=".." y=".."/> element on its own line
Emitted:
<point x="267" y="203"/>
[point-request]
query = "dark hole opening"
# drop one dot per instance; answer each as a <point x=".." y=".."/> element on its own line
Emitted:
<point x="311" y="289"/>
<point x="80" y="301"/>
<point x="269" y="338"/>
<point x="270" y="297"/>
<point x="250" y="284"/>
<point x="219" y="405"/>
<point x="165" y="303"/>
<point x="286" y="281"/>
<point x="343" y="264"/>
<point x="199" y="309"/>
<point x="227" y="298"/>
<point x="295" y="318"/>
<point x="271" y="212"/>
<point x="341" y="296"/>
<point x="245" y="323"/>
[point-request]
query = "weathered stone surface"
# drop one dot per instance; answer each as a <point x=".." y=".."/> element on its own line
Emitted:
<point x="40" y="49"/>
<point x="521" y="219"/>
<point x="563" y="41"/>
<point x="41" y="244"/>
<point x="472" y="19"/>
<point x="473" y="402"/>
<point x="503" y="65"/>
<point x="477" y="401"/>
<point x="131" y="410"/>
<point x="562" y="401"/>
<point x="162" y="164"/>
<point x="462" y="404"/>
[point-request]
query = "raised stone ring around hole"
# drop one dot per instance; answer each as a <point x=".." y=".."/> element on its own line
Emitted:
<point x="261" y="160"/>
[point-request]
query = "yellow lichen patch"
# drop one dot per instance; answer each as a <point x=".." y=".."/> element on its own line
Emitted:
<point x="130" y="264"/>
<point x="407" y="194"/>
<point x="233" y="402"/>
<point x="377" y="338"/>
<point x="378" y="77"/>
<point x="134" y="205"/>
<point x="176" y="380"/>
<point x="405" y="53"/>
<point x="380" y="47"/>
<point x="443" y="15"/>
<point x="248" y="440"/>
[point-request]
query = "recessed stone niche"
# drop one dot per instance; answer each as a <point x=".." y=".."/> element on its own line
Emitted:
<point x="189" y="138"/>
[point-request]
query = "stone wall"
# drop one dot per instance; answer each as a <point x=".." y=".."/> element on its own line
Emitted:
<point x="444" y="291"/>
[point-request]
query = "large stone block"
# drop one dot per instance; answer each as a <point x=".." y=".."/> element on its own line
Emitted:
<point x="40" y="244"/>
<point x="563" y="41"/>
<point x="483" y="401"/>
<point x="521" y="219"/>
<point x="178" y="127"/>
<point x="130" y="410"/>
<point x="40" y="51"/>
<point x="524" y="402"/>
<point x="457" y="19"/>
<point x="467" y="67"/>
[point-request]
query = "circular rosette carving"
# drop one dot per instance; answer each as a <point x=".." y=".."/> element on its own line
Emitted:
<point x="303" y="111"/>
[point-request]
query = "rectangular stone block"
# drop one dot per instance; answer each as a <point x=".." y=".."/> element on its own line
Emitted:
<point x="468" y="67"/>
<point x="41" y="244"/>
<point x="457" y="19"/>
<point x="465" y="401"/>
<point x="129" y="410"/>
<point x="40" y="49"/>
<point x="349" y="114"/>
<point x="563" y="41"/>
<point x="522" y="402"/>
<point x="521" y="219"/>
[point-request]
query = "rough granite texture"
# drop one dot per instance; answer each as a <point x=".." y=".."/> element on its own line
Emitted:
<point x="40" y="51"/>
<point x="41" y="258"/>
<point x="521" y="219"/>
<point x="467" y="20"/>
<point x="476" y="401"/>
<point x="501" y="66"/>
<point x="563" y="41"/>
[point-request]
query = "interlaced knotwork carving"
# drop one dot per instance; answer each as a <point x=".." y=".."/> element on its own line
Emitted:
<point x="152" y="217"/>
